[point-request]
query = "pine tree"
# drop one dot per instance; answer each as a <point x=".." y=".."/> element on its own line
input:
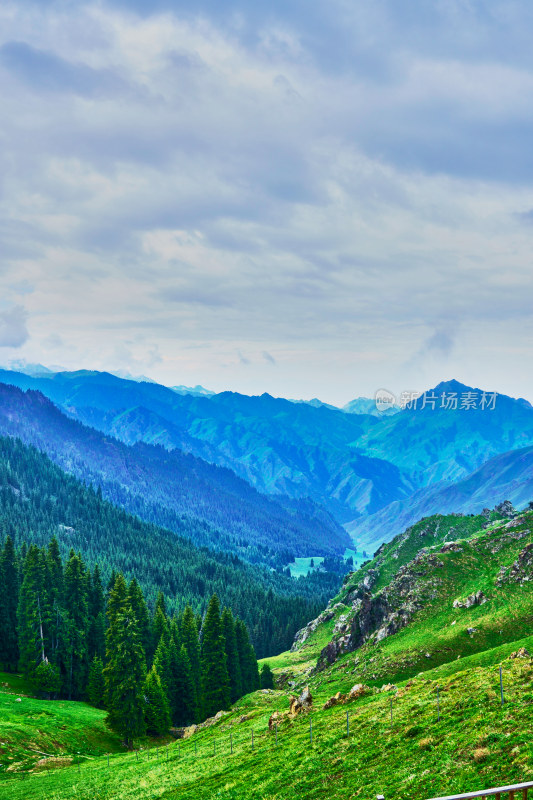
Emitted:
<point x="125" y="670"/>
<point x="30" y="613"/>
<point x="46" y="679"/>
<point x="185" y="710"/>
<point x="96" y="635"/>
<point x="156" y="710"/>
<point x="140" y="610"/>
<point x="189" y="638"/>
<point x="247" y="659"/>
<point x="266" y="677"/>
<point x="77" y="612"/>
<point x="96" y="686"/>
<point x="163" y="666"/>
<point x="55" y="597"/>
<point x="159" y="627"/>
<point x="232" y="655"/>
<point x="9" y="583"/>
<point x="216" y="693"/>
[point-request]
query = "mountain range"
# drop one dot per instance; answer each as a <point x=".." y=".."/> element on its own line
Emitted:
<point x="372" y="473"/>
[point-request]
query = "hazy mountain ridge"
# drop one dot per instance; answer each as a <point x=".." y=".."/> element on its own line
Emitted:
<point x="166" y="487"/>
<point x="375" y="473"/>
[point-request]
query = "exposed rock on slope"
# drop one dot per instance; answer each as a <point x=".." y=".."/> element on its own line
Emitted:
<point x="384" y="613"/>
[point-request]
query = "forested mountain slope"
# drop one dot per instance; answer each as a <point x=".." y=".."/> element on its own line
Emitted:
<point x="39" y="500"/>
<point x="209" y="504"/>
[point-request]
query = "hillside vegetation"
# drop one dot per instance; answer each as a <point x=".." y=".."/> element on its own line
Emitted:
<point x="436" y="668"/>
<point x="38" y="501"/>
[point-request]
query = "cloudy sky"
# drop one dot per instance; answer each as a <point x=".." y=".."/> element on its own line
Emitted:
<point x="305" y="197"/>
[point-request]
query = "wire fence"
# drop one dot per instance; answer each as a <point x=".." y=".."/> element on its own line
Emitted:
<point x="340" y="724"/>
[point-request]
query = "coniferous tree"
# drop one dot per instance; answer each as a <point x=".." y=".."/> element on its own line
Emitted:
<point x="189" y="638"/>
<point x="163" y="666"/>
<point x="215" y="686"/>
<point x="266" y="677"/>
<point x="159" y="627"/>
<point x="96" y="635"/>
<point x="247" y="659"/>
<point x="96" y="686"/>
<point x="55" y="605"/>
<point x="77" y="615"/>
<point x="30" y="613"/>
<point x="232" y="654"/>
<point x="156" y="710"/>
<point x="46" y="679"/>
<point x="140" y="610"/>
<point x="9" y="583"/>
<point x="125" y="670"/>
<point x="185" y="709"/>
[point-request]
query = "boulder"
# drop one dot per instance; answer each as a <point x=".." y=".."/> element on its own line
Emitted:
<point x="522" y="653"/>
<point x="301" y="704"/>
<point x="359" y="690"/>
<point x="336" y="700"/>
<point x="276" y="719"/>
<point x="476" y="599"/>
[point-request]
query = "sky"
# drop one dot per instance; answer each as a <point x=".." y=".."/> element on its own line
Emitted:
<point x="307" y="198"/>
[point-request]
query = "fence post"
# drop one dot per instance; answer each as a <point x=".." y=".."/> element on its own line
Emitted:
<point x="347" y="723"/>
<point x="501" y="686"/>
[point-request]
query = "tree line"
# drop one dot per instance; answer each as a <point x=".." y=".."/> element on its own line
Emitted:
<point x="74" y="638"/>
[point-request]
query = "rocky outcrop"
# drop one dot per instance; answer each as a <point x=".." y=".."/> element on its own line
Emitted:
<point x="301" y="704"/>
<point x="336" y="700"/>
<point x="451" y="547"/>
<point x="506" y="509"/>
<point x="476" y="599"/>
<point x="522" y="653"/>
<point x="521" y="571"/>
<point x="359" y="690"/>
<point x="382" y="614"/>
<point x="304" y="633"/>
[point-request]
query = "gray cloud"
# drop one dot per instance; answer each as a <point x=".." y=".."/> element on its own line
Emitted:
<point x="319" y="180"/>
<point x="268" y="357"/>
<point x="13" y="331"/>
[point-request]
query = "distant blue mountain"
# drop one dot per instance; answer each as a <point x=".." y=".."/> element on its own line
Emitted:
<point x="361" y="467"/>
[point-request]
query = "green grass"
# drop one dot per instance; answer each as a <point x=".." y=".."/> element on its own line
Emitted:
<point x="34" y="733"/>
<point x="476" y="744"/>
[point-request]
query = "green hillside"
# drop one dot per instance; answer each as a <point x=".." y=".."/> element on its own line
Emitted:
<point x="38" y="501"/>
<point x="476" y="744"/>
<point x="438" y="673"/>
